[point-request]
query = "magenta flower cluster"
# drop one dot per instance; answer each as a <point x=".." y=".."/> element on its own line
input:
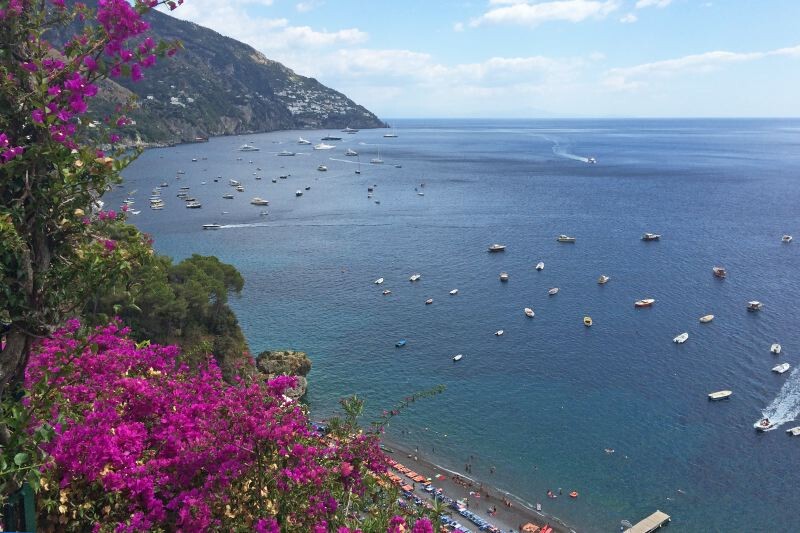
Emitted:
<point x="170" y="442"/>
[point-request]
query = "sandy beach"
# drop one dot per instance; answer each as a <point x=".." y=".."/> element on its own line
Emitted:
<point x="511" y="513"/>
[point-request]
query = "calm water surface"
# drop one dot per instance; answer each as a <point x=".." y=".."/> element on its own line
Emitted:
<point x="542" y="402"/>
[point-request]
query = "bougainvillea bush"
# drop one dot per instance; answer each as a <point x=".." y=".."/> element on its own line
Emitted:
<point x="144" y="443"/>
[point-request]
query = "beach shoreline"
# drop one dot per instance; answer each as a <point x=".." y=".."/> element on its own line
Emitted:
<point x="512" y="512"/>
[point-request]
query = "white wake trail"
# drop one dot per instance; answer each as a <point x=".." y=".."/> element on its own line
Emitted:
<point x="786" y="405"/>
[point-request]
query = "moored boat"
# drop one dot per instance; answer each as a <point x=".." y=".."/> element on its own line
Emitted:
<point x="400" y="343"/>
<point x="540" y="265"/>
<point x="322" y="168"/>
<point x="228" y="196"/>
<point x="781" y="368"/>
<point x="414" y="277"/>
<point x="300" y="140"/>
<point x="248" y="148"/>
<point x="194" y="205"/>
<point x="795" y="431"/>
<point x="647" y="302"/>
<point x="503" y="276"/>
<point x="285" y="153"/>
<point x="706" y="319"/>
<point x="553" y="291"/>
<point x="350" y="152"/>
<point x="454" y="292"/>
<point x="651" y="237"/>
<point x="786" y="238"/>
<point x="387" y="291"/>
<point x="378" y="281"/>
<point x="602" y="280"/>
<point x="497" y="248"/>
<point x="719" y="272"/>
<point x="565" y="238"/>
<point x="429" y="301"/>
<point x="499" y="332"/>
<point x="587" y="321"/>
<point x="298" y="193"/>
<point x="719" y="395"/>
<point x="529" y="312"/>
<point x="680" y="339"/>
<point x="259" y="201"/>
<point x="457" y="357"/>
<point x="755" y="305"/>
<point x="323" y="146"/>
<point x="775" y="348"/>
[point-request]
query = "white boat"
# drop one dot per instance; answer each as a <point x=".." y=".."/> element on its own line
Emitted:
<point x="497" y="248"/>
<point x="322" y="168"/>
<point x="391" y="135"/>
<point x="211" y="226"/>
<point x="529" y="312"/>
<point x="454" y="292"/>
<point x="719" y="395"/>
<point x="458" y="357"/>
<point x="651" y="237"/>
<point x="248" y="148"/>
<point x="786" y="238"/>
<point x="553" y="291"/>
<point x="259" y="201"/>
<point x="228" y="196"/>
<point x="300" y="140"/>
<point x="647" y="302"/>
<point x="706" y="319"/>
<point x="602" y="280"/>
<point x="240" y="188"/>
<point x="323" y="146"/>
<point x="764" y="424"/>
<point x="540" y="265"/>
<point x="429" y="301"/>
<point x="378" y="281"/>
<point x="499" y="332"/>
<point x="350" y="152"/>
<point x="414" y="277"/>
<point x="565" y="238"/>
<point x="387" y="291"/>
<point x="135" y="212"/>
<point x="503" y="276"/>
<point x="795" y="431"/>
<point x="350" y="130"/>
<point x="591" y="160"/>
<point x="193" y="205"/>
<point x="298" y="193"/>
<point x="680" y="339"/>
<point x="376" y="161"/>
<point x="233" y="183"/>
<point x="755" y="305"/>
<point x="781" y="368"/>
<point x="775" y="348"/>
<point x="285" y="153"/>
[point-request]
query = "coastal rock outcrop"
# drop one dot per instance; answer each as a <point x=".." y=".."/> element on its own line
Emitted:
<point x="274" y="363"/>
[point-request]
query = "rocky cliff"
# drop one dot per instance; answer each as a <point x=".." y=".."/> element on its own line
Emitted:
<point x="286" y="362"/>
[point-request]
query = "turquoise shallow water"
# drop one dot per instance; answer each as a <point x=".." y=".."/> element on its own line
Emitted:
<point x="542" y="402"/>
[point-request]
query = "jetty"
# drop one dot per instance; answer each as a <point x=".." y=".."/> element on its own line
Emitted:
<point x="651" y="523"/>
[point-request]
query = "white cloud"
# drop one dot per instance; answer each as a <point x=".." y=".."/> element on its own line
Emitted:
<point x="305" y="7"/>
<point x="631" y="78"/>
<point x="529" y="13"/>
<point x="458" y="26"/>
<point x="640" y="4"/>
<point x="629" y="18"/>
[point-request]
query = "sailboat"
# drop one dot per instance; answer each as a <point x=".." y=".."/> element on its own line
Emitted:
<point x="358" y="170"/>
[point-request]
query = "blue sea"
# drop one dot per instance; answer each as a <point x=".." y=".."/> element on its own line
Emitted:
<point x="542" y="402"/>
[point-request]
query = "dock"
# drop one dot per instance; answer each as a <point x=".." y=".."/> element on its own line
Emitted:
<point x="651" y="523"/>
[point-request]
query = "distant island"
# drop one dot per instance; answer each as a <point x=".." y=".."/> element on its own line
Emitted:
<point x="220" y="86"/>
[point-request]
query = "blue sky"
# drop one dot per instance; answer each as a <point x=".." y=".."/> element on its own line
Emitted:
<point x="532" y="58"/>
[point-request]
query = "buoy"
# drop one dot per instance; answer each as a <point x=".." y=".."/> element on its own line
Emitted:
<point x="573" y="494"/>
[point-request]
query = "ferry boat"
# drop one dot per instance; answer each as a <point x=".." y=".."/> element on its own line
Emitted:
<point x="497" y="248"/>
<point x="248" y="148"/>
<point x="651" y="237"/>
<point x="565" y="238"/>
<point x="719" y="272"/>
<point x="647" y="302"/>
<point x="719" y="395"/>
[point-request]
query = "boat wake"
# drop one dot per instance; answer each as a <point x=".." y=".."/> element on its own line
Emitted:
<point x="563" y="151"/>
<point x="786" y="405"/>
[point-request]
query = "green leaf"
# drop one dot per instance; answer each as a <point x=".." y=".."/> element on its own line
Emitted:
<point x="20" y="458"/>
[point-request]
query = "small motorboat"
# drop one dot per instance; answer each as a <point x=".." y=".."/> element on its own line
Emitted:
<point x="350" y="152"/>
<point x="499" y="332"/>
<point x="503" y="276"/>
<point x="429" y="301"/>
<point x="786" y="238"/>
<point x="194" y="205"/>
<point x="719" y="272"/>
<point x="529" y="312"/>
<point x="274" y="180"/>
<point x="540" y="266"/>
<point x="457" y="357"/>
<point x="240" y="188"/>
<point x="322" y="168"/>
<point x="553" y="291"/>
<point x="285" y="153"/>
<point x="706" y="319"/>
<point x="454" y="292"/>
<point x="400" y="343"/>
<point x="781" y="368"/>
<point x="259" y="201"/>
<point x="719" y="395"/>
<point x="680" y="339"/>
<point x="415" y="277"/>
<point x="497" y="248"/>
<point x="300" y="140"/>
<point x="602" y="280"/>
<point x="211" y="226"/>
<point x="755" y="305"/>
<point x="565" y="238"/>
<point x="765" y="424"/>
<point x="587" y="321"/>
<point x="378" y="281"/>
<point x="308" y="187"/>
<point x="795" y="431"/>
<point x="647" y="302"/>
<point x="651" y="237"/>
<point x="298" y="193"/>
<point x="775" y="348"/>
<point x="387" y="292"/>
